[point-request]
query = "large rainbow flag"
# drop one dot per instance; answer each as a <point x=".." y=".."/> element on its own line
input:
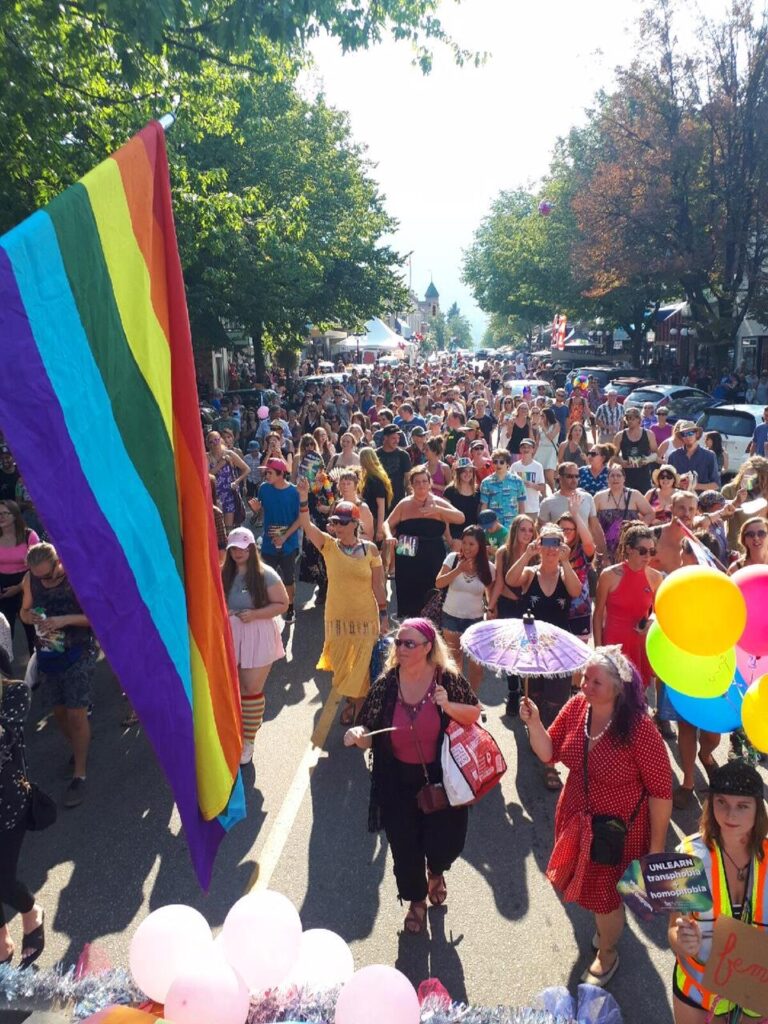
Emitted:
<point x="98" y="402"/>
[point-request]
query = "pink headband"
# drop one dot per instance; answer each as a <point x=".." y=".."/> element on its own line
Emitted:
<point x="423" y="626"/>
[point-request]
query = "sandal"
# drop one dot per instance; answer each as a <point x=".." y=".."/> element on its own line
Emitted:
<point x="416" y="917"/>
<point x="600" y="980"/>
<point x="682" y="797"/>
<point x="349" y="714"/>
<point x="552" y="780"/>
<point x="35" y="942"/>
<point x="437" y="889"/>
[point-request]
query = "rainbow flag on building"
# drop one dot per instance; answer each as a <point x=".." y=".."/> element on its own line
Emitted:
<point x="99" y="405"/>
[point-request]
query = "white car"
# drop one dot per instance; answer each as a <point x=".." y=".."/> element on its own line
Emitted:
<point x="736" y="425"/>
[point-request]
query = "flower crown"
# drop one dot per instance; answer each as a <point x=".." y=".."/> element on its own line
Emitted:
<point x="613" y="654"/>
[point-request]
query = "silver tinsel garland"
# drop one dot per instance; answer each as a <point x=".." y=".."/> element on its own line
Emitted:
<point x="84" y="996"/>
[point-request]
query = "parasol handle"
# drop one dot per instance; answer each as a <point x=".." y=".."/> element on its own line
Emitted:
<point x="525" y="687"/>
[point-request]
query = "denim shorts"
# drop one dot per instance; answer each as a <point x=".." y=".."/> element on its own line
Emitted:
<point x="72" y="687"/>
<point x="455" y="625"/>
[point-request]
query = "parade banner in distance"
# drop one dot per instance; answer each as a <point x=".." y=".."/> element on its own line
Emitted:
<point x="98" y="402"/>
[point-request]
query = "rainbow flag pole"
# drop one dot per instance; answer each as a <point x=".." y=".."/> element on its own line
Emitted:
<point x="98" y="402"/>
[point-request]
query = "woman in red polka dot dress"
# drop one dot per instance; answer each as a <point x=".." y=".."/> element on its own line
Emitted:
<point x="628" y="776"/>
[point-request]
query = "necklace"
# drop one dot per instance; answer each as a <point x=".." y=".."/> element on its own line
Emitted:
<point x="602" y="732"/>
<point x="349" y="549"/>
<point x="617" y="501"/>
<point x="741" y="873"/>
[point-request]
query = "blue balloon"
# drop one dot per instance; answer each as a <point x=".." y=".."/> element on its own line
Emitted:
<point x="715" y="714"/>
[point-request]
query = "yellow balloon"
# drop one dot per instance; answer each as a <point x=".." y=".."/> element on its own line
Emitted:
<point x="754" y="714"/>
<point x="701" y="610"/>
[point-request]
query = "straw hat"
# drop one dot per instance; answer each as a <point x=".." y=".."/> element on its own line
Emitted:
<point x="669" y="469"/>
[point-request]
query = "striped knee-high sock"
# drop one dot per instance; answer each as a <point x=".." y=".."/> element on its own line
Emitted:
<point x="253" y="714"/>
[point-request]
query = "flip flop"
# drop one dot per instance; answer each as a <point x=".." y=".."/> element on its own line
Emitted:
<point x="600" y="980"/>
<point x="35" y="941"/>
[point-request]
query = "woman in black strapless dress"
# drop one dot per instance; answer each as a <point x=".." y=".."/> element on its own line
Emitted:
<point x="415" y="529"/>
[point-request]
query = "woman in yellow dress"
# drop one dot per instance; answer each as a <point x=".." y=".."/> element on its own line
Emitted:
<point x="356" y="605"/>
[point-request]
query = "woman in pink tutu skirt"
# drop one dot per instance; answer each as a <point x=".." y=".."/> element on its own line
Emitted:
<point x="256" y="600"/>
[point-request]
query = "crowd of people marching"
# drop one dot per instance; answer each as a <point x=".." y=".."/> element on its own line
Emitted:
<point x="417" y="501"/>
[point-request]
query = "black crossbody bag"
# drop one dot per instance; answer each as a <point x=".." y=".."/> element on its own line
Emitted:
<point x="609" y="831"/>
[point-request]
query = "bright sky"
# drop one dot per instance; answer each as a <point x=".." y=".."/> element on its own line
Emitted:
<point x="444" y="145"/>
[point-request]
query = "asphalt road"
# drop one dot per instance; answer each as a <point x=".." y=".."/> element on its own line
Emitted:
<point x="502" y="936"/>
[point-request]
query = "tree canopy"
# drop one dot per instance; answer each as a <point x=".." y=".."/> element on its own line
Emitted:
<point x="279" y="219"/>
<point x="662" y="194"/>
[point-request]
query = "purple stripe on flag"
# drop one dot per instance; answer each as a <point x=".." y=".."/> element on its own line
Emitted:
<point x="33" y="423"/>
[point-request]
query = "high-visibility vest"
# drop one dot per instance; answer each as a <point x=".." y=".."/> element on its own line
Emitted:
<point x="689" y="971"/>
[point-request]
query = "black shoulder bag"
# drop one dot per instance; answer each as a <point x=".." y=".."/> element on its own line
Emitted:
<point x="609" y="831"/>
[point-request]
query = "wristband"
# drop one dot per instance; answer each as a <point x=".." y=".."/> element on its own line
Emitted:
<point x="303" y="505"/>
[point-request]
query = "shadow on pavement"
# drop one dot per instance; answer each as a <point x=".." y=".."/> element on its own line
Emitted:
<point x="125" y="838"/>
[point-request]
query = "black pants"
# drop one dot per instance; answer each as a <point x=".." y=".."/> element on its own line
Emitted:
<point x="11" y="606"/>
<point x="13" y="892"/>
<point x="420" y="841"/>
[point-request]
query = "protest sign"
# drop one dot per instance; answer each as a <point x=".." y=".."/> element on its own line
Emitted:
<point x="737" y="968"/>
<point x="676" y="882"/>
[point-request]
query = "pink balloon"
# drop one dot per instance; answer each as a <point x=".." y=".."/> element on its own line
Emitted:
<point x="164" y="941"/>
<point x="325" y="961"/>
<point x="262" y="934"/>
<point x="262" y="412"/>
<point x="752" y="581"/>
<point x="378" y="995"/>
<point x="750" y="666"/>
<point x="206" y="991"/>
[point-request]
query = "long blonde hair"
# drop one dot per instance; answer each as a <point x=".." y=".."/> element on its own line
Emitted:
<point x="440" y="656"/>
<point x="371" y="467"/>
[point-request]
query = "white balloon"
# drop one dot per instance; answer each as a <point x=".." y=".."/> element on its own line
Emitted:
<point x="325" y="961"/>
<point x="262" y="934"/>
<point x="163" y="943"/>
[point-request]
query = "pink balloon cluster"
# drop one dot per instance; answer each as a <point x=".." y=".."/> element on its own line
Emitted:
<point x="175" y="961"/>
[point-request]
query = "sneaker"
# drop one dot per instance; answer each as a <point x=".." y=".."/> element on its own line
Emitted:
<point x="247" y="755"/>
<point x="290" y="615"/>
<point x="75" y="793"/>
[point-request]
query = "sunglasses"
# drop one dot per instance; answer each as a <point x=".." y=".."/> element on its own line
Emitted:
<point x="666" y="476"/>
<point x="687" y="433"/>
<point x="500" y="462"/>
<point x="645" y="551"/>
<point x="752" y="534"/>
<point x="410" y="644"/>
<point x="591" y="455"/>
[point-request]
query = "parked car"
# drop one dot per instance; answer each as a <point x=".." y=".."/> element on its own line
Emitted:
<point x="252" y="396"/>
<point x="684" y="403"/>
<point x="624" y="386"/>
<point x="736" y="424"/>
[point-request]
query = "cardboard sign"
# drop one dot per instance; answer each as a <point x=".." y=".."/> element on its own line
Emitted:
<point x="737" y="968"/>
<point x="676" y="882"/>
